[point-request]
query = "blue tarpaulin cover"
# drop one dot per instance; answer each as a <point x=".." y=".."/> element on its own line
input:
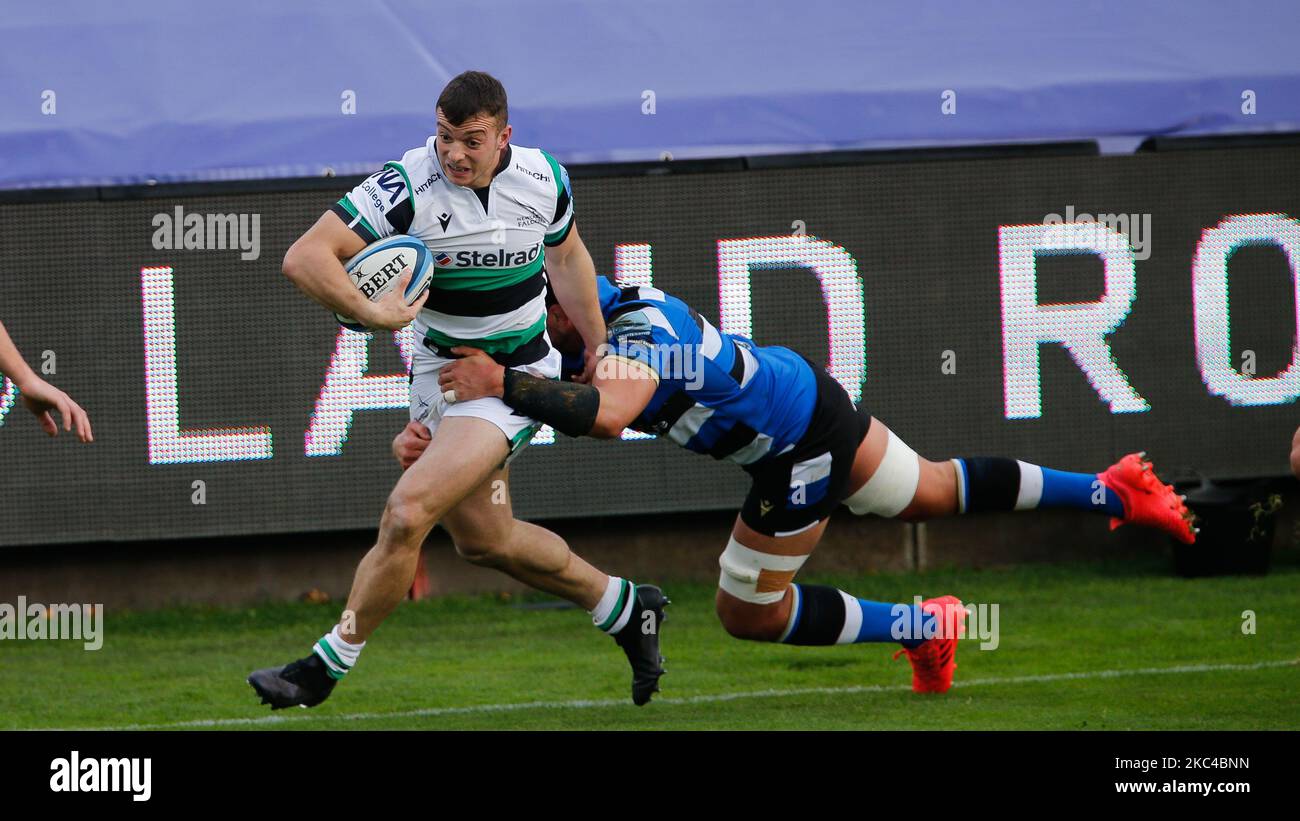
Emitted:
<point x="98" y="93"/>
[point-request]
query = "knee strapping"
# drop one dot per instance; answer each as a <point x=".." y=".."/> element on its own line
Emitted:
<point x="758" y="578"/>
<point x="891" y="488"/>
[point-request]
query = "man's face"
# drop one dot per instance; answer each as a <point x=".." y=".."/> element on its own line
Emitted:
<point x="469" y="151"/>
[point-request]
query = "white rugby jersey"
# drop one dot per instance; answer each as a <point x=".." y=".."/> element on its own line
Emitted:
<point x="489" y="280"/>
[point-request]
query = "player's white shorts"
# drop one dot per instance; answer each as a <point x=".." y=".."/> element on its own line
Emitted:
<point x="429" y="408"/>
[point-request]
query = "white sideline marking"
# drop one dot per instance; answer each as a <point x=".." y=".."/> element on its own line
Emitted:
<point x="583" y="704"/>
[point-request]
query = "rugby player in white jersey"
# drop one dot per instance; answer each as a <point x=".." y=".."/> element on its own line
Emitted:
<point x="498" y="220"/>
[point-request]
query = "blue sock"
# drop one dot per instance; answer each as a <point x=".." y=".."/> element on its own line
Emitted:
<point x="1078" y="490"/>
<point x="994" y="483"/>
<point x="823" y="615"/>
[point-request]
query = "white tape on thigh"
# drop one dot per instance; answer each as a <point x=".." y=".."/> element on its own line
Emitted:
<point x="742" y="573"/>
<point x="890" y="489"/>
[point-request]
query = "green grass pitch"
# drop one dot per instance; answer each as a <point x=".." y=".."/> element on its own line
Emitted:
<point x="1096" y="646"/>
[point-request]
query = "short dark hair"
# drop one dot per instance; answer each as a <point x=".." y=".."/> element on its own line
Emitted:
<point x="470" y="92"/>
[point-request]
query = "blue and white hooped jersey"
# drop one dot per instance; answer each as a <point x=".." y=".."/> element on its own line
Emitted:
<point x="717" y="394"/>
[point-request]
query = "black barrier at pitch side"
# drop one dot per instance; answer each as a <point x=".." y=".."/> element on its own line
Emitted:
<point x="225" y="402"/>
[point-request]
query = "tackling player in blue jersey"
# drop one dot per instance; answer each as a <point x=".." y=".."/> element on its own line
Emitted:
<point x="666" y="370"/>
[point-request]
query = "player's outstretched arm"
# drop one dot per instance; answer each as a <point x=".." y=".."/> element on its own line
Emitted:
<point x="625" y="387"/>
<point x="11" y="362"/>
<point x="602" y="409"/>
<point x="39" y="396"/>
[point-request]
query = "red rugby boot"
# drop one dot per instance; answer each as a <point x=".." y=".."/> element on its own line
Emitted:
<point x="1147" y="500"/>
<point x="934" y="661"/>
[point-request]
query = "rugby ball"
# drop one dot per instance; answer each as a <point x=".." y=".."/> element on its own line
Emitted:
<point x="380" y="266"/>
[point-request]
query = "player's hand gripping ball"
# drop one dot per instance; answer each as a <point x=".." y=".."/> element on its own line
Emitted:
<point x="380" y="266"/>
